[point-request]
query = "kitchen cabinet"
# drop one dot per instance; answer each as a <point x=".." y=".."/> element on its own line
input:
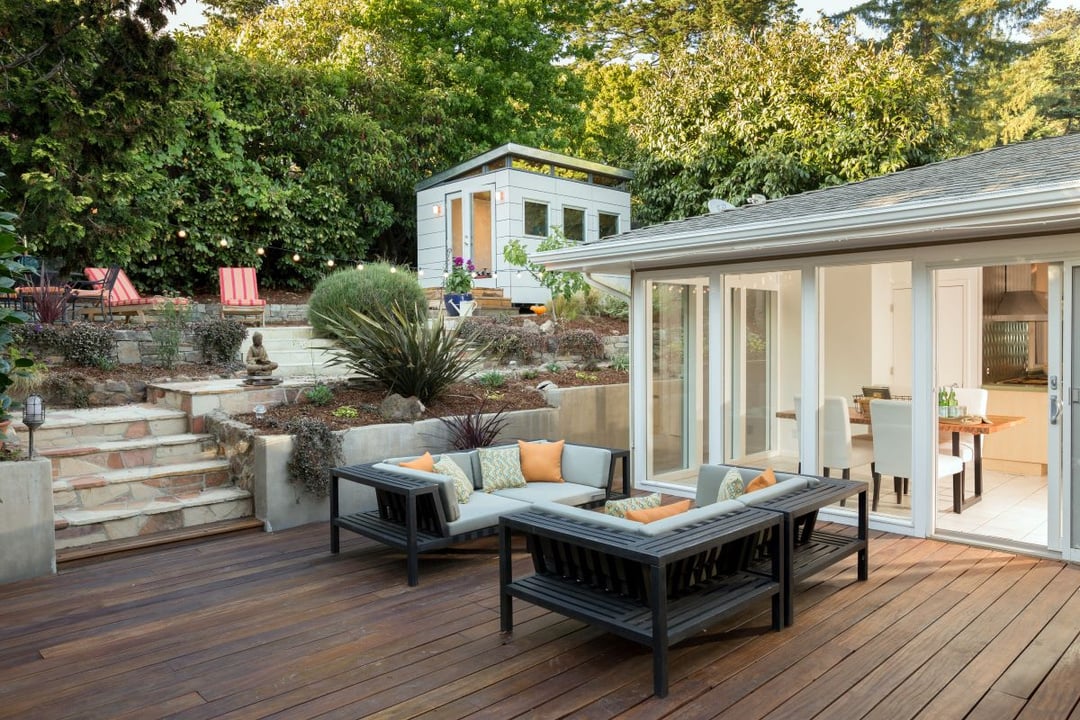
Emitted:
<point x="1020" y="449"/>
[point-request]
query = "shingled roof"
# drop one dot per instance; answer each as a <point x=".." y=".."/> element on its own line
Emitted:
<point x="862" y="214"/>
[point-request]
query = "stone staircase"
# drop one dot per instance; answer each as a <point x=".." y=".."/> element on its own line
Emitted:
<point x="488" y="300"/>
<point x="133" y="471"/>
<point x="297" y="352"/>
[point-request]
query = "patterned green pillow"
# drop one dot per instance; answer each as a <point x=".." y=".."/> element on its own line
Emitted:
<point x="618" y="508"/>
<point x="462" y="484"/>
<point x="501" y="468"/>
<point x="731" y="487"/>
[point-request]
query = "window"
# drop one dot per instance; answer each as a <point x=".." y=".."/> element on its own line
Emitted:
<point x="609" y="224"/>
<point x="536" y="219"/>
<point x="574" y="224"/>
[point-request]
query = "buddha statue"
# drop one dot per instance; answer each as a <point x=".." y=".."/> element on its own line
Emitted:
<point x="257" y="361"/>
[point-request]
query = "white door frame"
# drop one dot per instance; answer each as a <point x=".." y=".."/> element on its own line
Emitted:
<point x="1064" y="455"/>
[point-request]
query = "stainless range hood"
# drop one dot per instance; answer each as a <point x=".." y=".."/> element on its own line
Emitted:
<point x="1019" y="302"/>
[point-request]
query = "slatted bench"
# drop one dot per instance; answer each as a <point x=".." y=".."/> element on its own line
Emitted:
<point x="809" y="549"/>
<point x="652" y="589"/>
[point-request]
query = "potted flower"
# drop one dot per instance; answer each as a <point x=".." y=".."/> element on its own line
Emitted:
<point x="458" y="285"/>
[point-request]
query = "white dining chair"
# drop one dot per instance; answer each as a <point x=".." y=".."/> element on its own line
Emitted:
<point x="890" y="421"/>
<point x="974" y="400"/>
<point x="838" y="452"/>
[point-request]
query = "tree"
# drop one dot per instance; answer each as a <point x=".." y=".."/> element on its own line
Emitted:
<point x="791" y="109"/>
<point x="85" y="82"/>
<point x="653" y="29"/>
<point x="1058" y="35"/>
<point x="965" y="41"/>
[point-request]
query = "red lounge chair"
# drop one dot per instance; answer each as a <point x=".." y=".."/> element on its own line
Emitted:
<point x="124" y="299"/>
<point x="240" y="294"/>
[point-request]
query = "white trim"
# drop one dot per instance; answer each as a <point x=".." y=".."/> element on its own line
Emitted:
<point x="924" y="427"/>
<point x="1029" y="209"/>
<point x="811" y="384"/>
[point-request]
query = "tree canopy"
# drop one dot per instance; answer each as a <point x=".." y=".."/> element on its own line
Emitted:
<point x="302" y="126"/>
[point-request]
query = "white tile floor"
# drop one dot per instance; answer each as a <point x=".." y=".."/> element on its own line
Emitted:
<point x="1013" y="508"/>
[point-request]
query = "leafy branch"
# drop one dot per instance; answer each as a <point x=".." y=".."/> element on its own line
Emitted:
<point x="558" y="282"/>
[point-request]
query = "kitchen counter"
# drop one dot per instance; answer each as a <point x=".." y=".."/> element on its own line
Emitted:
<point x="1021" y="387"/>
<point x="1021" y="449"/>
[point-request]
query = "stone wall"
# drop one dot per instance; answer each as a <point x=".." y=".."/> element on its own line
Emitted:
<point x="597" y="415"/>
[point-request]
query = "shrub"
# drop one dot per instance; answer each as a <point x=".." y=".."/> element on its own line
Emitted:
<point x="503" y="340"/>
<point x="167" y="331"/>
<point x="586" y="344"/>
<point x="66" y="389"/>
<point x="219" y="339"/>
<point x="371" y="291"/>
<point x="39" y="339"/>
<point x="316" y="451"/>
<point x="620" y="362"/>
<point x="319" y="395"/>
<point x="475" y="429"/>
<point x="88" y="345"/>
<point x="568" y="308"/>
<point x="345" y="411"/>
<point x="406" y="355"/>
<point x="614" y="307"/>
<point x="491" y="379"/>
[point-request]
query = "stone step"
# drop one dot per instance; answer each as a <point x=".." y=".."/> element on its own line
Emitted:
<point x="201" y="397"/>
<point x="97" y="457"/>
<point x="92" y="426"/>
<point x="114" y="521"/>
<point x="124" y="486"/>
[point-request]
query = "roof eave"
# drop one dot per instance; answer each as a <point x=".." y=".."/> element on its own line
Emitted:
<point x="849" y="231"/>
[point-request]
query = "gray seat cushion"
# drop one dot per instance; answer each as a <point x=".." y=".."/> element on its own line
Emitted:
<point x="482" y="511"/>
<point x="567" y="493"/>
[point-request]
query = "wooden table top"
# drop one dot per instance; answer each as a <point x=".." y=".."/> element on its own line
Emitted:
<point x="995" y="423"/>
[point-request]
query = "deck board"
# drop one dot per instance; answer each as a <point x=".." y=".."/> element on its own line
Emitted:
<point x="272" y="625"/>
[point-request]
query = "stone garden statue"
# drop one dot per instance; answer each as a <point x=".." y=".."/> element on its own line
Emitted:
<point x="257" y="361"/>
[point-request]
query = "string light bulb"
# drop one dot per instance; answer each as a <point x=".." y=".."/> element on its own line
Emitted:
<point x="260" y="251"/>
<point x="420" y="272"/>
<point x="359" y="266"/>
<point x="393" y="269"/>
<point x="330" y="262"/>
<point x="181" y="233"/>
<point x="296" y="257"/>
<point x="223" y="243"/>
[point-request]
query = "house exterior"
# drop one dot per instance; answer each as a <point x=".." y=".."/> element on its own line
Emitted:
<point x="514" y="192"/>
<point x="746" y="319"/>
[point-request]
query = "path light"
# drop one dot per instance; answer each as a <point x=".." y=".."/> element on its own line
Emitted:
<point x="33" y="416"/>
<point x="260" y="411"/>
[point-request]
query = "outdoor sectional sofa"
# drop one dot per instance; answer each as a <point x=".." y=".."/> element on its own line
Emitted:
<point x="418" y="511"/>
<point x="661" y="582"/>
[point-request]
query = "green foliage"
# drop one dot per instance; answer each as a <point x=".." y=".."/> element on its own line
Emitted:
<point x="491" y="379"/>
<point x="26" y="379"/>
<point x="561" y="284"/>
<point x="620" y="362"/>
<point x="168" y="330"/>
<point x="834" y="109"/>
<point x="475" y="429"/>
<point x="316" y="451"/>
<point x="406" y="355"/>
<point x="613" y="307"/>
<point x="345" y="412"/>
<point x="219" y="339"/>
<point x="9" y="271"/>
<point x="66" y="389"/>
<point x="319" y="395"/>
<point x="89" y="345"/>
<point x="501" y="339"/>
<point x="530" y="374"/>
<point x="370" y="291"/>
<point x="553" y="367"/>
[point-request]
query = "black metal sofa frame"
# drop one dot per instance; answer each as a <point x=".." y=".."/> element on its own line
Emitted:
<point x="654" y="590"/>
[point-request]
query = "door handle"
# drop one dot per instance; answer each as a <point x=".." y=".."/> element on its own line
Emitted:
<point x="1056" y="406"/>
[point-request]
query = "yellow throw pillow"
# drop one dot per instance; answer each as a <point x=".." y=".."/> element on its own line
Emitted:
<point x="649" y="515"/>
<point x="425" y="462"/>
<point x="541" y="461"/>
<point x="762" y="481"/>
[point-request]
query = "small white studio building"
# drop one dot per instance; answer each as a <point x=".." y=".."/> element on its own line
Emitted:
<point x="514" y="192"/>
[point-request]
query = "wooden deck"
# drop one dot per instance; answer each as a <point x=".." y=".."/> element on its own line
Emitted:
<point x="259" y="625"/>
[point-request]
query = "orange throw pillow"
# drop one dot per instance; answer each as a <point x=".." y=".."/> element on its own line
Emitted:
<point x="762" y="481"/>
<point x="658" y="513"/>
<point x="425" y="462"/>
<point x="541" y="461"/>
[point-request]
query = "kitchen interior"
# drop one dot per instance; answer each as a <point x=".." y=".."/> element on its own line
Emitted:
<point x="1014" y="353"/>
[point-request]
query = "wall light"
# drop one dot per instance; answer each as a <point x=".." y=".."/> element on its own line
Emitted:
<point x="500" y="195"/>
<point x="437" y="209"/>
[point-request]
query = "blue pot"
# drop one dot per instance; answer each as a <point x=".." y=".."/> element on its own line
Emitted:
<point x="452" y="302"/>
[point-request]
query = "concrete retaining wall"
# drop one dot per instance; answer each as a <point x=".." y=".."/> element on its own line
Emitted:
<point x="592" y="415"/>
<point x="27" y="538"/>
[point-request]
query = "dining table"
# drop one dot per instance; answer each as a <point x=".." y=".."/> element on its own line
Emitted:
<point x="976" y="426"/>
